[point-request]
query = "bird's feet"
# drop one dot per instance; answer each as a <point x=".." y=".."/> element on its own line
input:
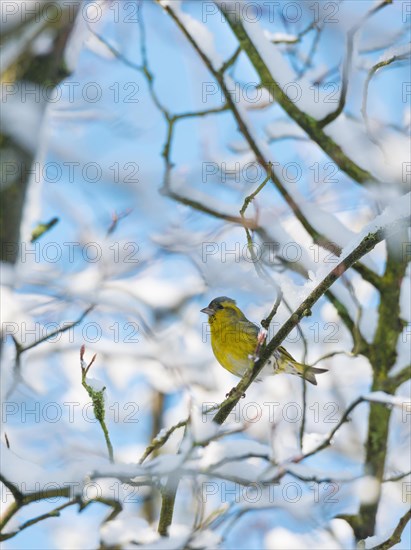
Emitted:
<point x="232" y="392"/>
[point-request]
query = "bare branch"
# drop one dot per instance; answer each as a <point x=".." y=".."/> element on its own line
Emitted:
<point x="312" y="51"/>
<point x="52" y="514"/>
<point x="367" y="244"/>
<point x="370" y="76"/>
<point x="22" y="349"/>
<point x="58" y="331"/>
<point x="22" y="500"/>
<point x="395" y="538"/>
<point x="348" y="62"/>
<point x="265" y="323"/>
<point x="327" y="441"/>
<point x="97" y="398"/>
<point x="394" y="382"/>
<point x="227" y="64"/>
<point x="396" y="477"/>
<point x="17" y="494"/>
<point x="254" y="146"/>
<point x="329" y="355"/>
<point x="160" y="440"/>
<point x="306" y="122"/>
<point x="114" y="51"/>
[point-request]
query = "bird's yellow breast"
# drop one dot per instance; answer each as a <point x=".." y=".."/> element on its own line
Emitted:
<point x="233" y="342"/>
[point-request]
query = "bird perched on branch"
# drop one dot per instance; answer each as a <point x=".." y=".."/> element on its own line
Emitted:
<point x="236" y="340"/>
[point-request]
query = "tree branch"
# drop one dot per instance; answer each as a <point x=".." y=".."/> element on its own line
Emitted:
<point x="22" y="349"/>
<point x="22" y="500"/>
<point x="348" y="62"/>
<point x="309" y="124"/>
<point x="160" y="440"/>
<point x="382" y="356"/>
<point x="97" y="398"/>
<point x="317" y="237"/>
<point x="394" y="382"/>
<point x="365" y="246"/>
<point x="395" y="538"/>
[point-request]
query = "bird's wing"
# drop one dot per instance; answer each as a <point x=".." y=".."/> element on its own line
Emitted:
<point x="287" y="355"/>
<point x="250" y="329"/>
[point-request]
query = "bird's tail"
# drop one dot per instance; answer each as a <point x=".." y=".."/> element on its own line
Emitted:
<point x="309" y="372"/>
<point x="284" y="362"/>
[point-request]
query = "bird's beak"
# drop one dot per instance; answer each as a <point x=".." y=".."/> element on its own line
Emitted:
<point x="207" y="311"/>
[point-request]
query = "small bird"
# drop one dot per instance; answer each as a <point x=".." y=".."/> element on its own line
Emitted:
<point x="42" y="228"/>
<point x="235" y="340"/>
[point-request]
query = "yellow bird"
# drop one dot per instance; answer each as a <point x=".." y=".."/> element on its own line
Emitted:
<point x="234" y="340"/>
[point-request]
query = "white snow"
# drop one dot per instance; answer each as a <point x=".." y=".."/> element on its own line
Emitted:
<point x="14" y="47"/>
<point x="386" y="398"/>
<point x="300" y="91"/>
<point x="277" y="37"/>
<point x="200" y="34"/>
<point x="165" y="464"/>
<point x="22" y="120"/>
<point x="126" y="528"/>
<point x="353" y="138"/>
<point x="396" y="211"/>
<point x="372" y="542"/>
<point x="404" y="50"/>
<point x="163" y="293"/>
<point x="284" y="128"/>
<point x="202" y="426"/>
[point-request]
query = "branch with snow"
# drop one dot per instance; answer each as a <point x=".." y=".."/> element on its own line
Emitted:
<point x="259" y="150"/>
<point x="391" y="540"/>
<point x="96" y="390"/>
<point x="351" y="35"/>
<point x="399" y="54"/>
<point x="272" y="69"/>
<point x="22" y="500"/>
<point x="390" y="227"/>
<point x="17" y="375"/>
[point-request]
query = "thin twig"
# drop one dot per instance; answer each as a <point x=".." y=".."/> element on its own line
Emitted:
<point x="256" y="149"/>
<point x="22" y="349"/>
<point x="52" y="514"/>
<point x="115" y="218"/>
<point x="370" y="76"/>
<point x="14" y="490"/>
<point x="171" y="120"/>
<point x="58" y="331"/>
<point x="348" y="62"/>
<point x="230" y="61"/>
<point x="365" y="246"/>
<point x="306" y="122"/>
<point x="397" y="477"/>
<point x="253" y="195"/>
<point x="313" y="49"/>
<point x="364" y="106"/>
<point x="327" y="441"/>
<point x="395" y="538"/>
<point x="160" y="440"/>
<point x="265" y="323"/>
<point x="97" y="398"/>
<point x="394" y="382"/>
<point x="357" y="331"/>
<point x="114" y="51"/>
<point x="24" y="499"/>
<point x="247" y="201"/>
<point x="304" y="413"/>
<point x="328" y="356"/>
